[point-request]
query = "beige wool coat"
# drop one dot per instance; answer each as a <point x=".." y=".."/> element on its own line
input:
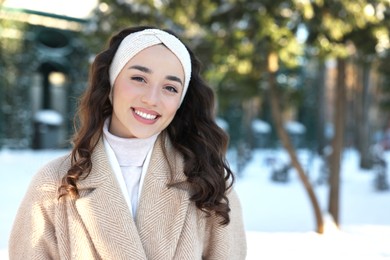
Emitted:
<point x="99" y="224"/>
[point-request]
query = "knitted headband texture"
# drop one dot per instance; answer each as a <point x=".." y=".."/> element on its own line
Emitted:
<point x="138" y="41"/>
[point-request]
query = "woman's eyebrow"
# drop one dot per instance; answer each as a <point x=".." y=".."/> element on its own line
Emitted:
<point x="174" y="78"/>
<point x="141" y="68"/>
<point x="149" y="71"/>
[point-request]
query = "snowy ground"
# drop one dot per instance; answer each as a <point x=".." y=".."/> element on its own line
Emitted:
<point x="278" y="217"/>
<point x="280" y="221"/>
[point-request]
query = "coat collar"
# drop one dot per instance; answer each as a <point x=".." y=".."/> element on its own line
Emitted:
<point x="162" y="209"/>
<point x="105" y="214"/>
<point x="160" y="215"/>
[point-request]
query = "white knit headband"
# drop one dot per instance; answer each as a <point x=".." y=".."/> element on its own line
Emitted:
<point x="138" y="41"/>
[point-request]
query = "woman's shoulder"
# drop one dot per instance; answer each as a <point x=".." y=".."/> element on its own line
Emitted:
<point x="52" y="172"/>
<point x="234" y="201"/>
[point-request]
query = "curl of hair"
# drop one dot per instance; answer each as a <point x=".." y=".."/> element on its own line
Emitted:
<point x="193" y="132"/>
<point x="203" y="144"/>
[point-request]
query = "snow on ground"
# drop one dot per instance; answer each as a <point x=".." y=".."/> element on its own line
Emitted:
<point x="278" y="218"/>
<point x="281" y="224"/>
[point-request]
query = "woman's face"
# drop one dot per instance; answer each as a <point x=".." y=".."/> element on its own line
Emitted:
<point x="146" y="93"/>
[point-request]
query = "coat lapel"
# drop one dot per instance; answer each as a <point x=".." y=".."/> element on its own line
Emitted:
<point x="105" y="213"/>
<point x="162" y="209"/>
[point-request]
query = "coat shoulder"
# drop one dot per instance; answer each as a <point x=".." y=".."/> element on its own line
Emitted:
<point x="33" y="229"/>
<point x="49" y="176"/>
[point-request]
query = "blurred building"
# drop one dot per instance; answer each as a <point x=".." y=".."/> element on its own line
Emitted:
<point x="43" y="70"/>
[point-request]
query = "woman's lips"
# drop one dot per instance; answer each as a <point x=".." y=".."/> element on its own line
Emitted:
<point x="145" y="116"/>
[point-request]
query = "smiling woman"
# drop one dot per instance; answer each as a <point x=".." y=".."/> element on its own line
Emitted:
<point x="147" y="177"/>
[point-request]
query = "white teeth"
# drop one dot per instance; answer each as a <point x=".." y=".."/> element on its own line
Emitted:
<point x="145" y="115"/>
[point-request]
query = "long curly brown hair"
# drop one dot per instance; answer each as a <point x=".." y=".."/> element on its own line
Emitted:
<point x="193" y="132"/>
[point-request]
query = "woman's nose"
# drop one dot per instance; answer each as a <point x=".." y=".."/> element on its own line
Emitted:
<point x="151" y="96"/>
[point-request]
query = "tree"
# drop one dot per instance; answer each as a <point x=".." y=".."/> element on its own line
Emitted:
<point x="277" y="116"/>
<point x="336" y="26"/>
<point x="272" y="34"/>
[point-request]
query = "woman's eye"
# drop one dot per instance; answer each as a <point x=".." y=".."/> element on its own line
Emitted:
<point x="171" y="89"/>
<point x="139" y="79"/>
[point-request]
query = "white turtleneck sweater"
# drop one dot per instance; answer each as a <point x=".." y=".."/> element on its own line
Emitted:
<point x="131" y="157"/>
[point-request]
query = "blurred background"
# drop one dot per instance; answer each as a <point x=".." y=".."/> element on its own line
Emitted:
<point x="300" y="77"/>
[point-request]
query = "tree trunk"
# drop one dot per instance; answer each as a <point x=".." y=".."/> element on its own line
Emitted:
<point x="321" y="137"/>
<point x="338" y="140"/>
<point x="277" y="117"/>
<point x="364" y="127"/>
<point x="354" y="106"/>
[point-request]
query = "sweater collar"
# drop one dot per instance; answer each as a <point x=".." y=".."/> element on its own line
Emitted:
<point x="128" y="151"/>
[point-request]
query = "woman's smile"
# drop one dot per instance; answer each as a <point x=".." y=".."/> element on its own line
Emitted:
<point x="150" y="116"/>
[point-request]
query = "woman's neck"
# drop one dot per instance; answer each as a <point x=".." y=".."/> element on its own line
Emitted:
<point x="128" y="151"/>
